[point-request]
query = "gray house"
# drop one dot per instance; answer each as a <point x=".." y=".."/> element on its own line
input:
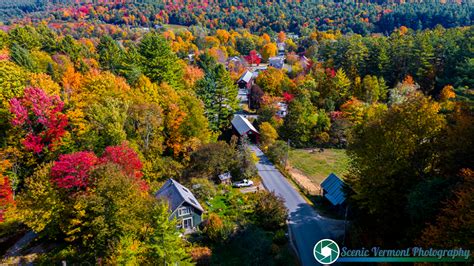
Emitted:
<point x="183" y="205"/>
<point x="276" y="61"/>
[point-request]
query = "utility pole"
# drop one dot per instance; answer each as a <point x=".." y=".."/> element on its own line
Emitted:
<point x="287" y="153"/>
<point x="345" y="222"/>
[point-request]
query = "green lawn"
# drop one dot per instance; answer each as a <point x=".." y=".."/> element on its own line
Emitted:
<point x="175" y="28"/>
<point x="318" y="165"/>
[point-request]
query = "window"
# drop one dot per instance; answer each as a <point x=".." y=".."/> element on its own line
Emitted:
<point x="188" y="223"/>
<point x="183" y="211"/>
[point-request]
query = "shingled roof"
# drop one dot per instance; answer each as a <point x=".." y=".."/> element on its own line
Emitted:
<point x="177" y="194"/>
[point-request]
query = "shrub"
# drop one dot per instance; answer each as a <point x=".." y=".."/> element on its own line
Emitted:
<point x="270" y="211"/>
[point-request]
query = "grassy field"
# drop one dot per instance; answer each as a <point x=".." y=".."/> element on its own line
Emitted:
<point x="318" y="165"/>
<point x="175" y="28"/>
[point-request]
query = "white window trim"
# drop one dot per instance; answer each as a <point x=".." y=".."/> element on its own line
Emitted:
<point x="184" y="211"/>
<point x="182" y="223"/>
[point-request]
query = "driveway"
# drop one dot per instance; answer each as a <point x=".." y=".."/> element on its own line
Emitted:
<point x="306" y="226"/>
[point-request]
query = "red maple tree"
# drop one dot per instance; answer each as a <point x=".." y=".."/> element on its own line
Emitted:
<point x="125" y="157"/>
<point x="41" y="117"/>
<point x="72" y="170"/>
<point x="288" y="97"/>
<point x="253" y="58"/>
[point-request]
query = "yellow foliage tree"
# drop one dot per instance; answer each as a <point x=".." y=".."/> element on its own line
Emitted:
<point x="45" y="82"/>
<point x="269" y="50"/>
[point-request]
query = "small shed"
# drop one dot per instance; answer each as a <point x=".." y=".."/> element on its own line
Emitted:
<point x="225" y="178"/>
<point x="243" y="127"/>
<point x="332" y="188"/>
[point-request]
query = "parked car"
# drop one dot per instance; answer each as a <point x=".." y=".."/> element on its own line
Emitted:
<point x="243" y="183"/>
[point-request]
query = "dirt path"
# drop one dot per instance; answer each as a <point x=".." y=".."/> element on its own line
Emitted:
<point x="304" y="182"/>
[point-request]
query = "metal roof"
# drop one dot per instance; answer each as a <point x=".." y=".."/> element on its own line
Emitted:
<point x="242" y="125"/>
<point x="332" y="186"/>
<point x="246" y="77"/>
<point x="177" y="194"/>
<point x="225" y="176"/>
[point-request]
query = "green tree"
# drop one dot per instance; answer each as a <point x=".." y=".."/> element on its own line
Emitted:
<point x="115" y="207"/>
<point x="373" y="89"/>
<point x="145" y="127"/>
<point x="219" y="94"/>
<point x="25" y="36"/>
<point x="48" y="38"/>
<point x="278" y="152"/>
<point x="40" y="205"/>
<point x="301" y="121"/>
<point x="390" y="153"/>
<point x="211" y="160"/>
<point x="203" y="188"/>
<point x="107" y="119"/>
<point x="270" y="211"/>
<point x="164" y="244"/>
<point x="110" y="54"/>
<point x="245" y="163"/>
<point x="244" y="45"/>
<point x="12" y="81"/>
<point x="22" y="57"/>
<point x="158" y="62"/>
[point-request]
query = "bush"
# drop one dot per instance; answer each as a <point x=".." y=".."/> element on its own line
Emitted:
<point x="201" y="255"/>
<point x="280" y="237"/>
<point x="277" y="152"/>
<point x="270" y="211"/>
<point x="214" y="228"/>
<point x="203" y="188"/>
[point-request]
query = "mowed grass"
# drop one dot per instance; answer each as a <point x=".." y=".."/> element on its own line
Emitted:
<point x="318" y="165"/>
<point x="175" y="28"/>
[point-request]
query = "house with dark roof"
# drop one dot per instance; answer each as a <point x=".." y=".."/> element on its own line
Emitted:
<point x="244" y="128"/>
<point x="332" y="188"/>
<point x="182" y="205"/>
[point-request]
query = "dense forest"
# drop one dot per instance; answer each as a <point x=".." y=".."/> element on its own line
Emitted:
<point x="98" y="107"/>
<point x="256" y="16"/>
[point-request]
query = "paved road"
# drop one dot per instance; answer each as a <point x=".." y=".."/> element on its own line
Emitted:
<point x="16" y="248"/>
<point x="306" y="225"/>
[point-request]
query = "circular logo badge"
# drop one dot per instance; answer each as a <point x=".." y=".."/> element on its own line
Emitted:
<point x="326" y="251"/>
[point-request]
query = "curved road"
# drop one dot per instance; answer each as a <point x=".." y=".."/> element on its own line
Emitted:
<point x="306" y="226"/>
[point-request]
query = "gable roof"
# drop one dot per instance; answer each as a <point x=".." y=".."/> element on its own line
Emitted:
<point x="276" y="61"/>
<point x="246" y="77"/>
<point x="225" y="176"/>
<point x="242" y="125"/>
<point x="177" y="194"/>
<point x="332" y="185"/>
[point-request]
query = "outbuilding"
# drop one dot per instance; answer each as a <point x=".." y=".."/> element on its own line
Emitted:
<point x="332" y="188"/>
